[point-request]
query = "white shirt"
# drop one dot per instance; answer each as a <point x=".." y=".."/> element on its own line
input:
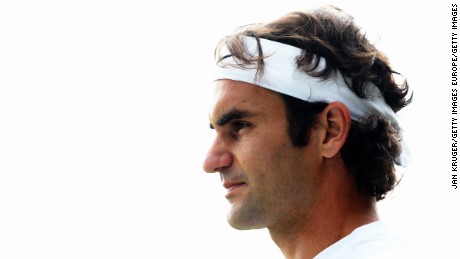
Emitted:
<point x="372" y="241"/>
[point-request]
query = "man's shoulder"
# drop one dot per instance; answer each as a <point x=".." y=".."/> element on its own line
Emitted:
<point x="374" y="240"/>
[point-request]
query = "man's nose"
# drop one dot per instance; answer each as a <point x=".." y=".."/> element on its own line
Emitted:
<point x="218" y="157"/>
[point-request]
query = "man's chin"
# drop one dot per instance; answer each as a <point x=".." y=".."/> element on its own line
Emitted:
<point x="240" y="226"/>
<point x="244" y="221"/>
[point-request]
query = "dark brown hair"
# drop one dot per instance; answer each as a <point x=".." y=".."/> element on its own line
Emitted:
<point x="373" y="144"/>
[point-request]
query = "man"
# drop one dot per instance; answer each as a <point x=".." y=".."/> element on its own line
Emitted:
<point x="306" y="134"/>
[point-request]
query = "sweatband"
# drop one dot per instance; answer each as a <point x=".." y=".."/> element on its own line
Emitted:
<point x="281" y="75"/>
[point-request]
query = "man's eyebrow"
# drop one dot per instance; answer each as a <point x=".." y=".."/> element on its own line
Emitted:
<point x="231" y="115"/>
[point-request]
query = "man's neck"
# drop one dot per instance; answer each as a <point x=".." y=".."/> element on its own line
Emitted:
<point x="335" y="214"/>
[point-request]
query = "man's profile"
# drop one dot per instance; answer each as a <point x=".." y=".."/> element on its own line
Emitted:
<point x="307" y="136"/>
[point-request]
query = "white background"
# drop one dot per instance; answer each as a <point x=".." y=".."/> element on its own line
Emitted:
<point x="103" y="127"/>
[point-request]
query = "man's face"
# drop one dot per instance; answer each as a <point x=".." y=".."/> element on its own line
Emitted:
<point x="269" y="182"/>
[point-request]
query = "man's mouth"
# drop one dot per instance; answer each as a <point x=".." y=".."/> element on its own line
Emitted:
<point x="233" y="188"/>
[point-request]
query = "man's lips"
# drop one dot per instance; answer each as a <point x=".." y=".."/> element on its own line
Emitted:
<point x="233" y="187"/>
<point x="230" y="185"/>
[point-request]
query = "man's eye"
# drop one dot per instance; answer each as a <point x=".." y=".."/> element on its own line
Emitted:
<point x="238" y="125"/>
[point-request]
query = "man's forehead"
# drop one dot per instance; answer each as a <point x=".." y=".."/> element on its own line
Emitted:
<point x="231" y="95"/>
<point x="228" y="93"/>
<point x="228" y="87"/>
<point x="227" y="97"/>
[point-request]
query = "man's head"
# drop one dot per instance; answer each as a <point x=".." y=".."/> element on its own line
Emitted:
<point x="281" y="132"/>
<point x="263" y="172"/>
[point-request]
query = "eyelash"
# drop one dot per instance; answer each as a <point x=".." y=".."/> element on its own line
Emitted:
<point x="238" y="125"/>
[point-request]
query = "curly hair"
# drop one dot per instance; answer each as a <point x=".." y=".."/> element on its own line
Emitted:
<point x="373" y="143"/>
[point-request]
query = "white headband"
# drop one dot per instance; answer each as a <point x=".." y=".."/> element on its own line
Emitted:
<point x="281" y="75"/>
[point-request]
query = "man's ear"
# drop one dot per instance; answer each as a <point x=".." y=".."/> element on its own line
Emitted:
<point x="336" y="120"/>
